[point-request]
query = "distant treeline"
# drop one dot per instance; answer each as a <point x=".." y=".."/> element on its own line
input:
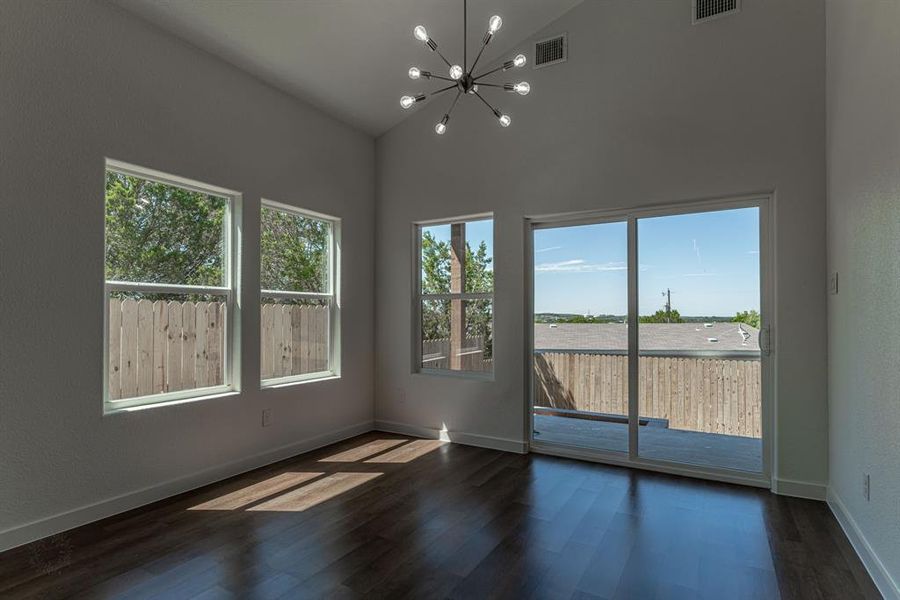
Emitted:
<point x="571" y="318"/>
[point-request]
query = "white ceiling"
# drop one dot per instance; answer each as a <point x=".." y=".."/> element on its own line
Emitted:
<point x="348" y="58"/>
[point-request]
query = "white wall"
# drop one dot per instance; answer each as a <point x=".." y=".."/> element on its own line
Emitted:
<point x="863" y="42"/>
<point x="82" y="81"/>
<point x="649" y="109"/>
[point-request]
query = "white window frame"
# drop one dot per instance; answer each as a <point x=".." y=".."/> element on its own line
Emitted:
<point x="419" y="297"/>
<point x="231" y="359"/>
<point x="332" y="296"/>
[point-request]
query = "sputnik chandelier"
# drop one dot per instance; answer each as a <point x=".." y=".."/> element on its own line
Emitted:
<point x="463" y="78"/>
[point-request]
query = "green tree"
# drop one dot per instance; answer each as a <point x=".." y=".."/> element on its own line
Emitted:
<point x="436" y="280"/>
<point x="584" y="319"/>
<point x="661" y="316"/>
<point x="158" y="233"/>
<point x="293" y="251"/>
<point x="748" y="317"/>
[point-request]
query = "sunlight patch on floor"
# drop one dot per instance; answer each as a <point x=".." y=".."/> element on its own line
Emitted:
<point x="257" y="491"/>
<point x="363" y="451"/>
<point x="408" y="452"/>
<point x="316" y="492"/>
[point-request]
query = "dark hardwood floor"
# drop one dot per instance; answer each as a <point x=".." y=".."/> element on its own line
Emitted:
<point x="382" y="517"/>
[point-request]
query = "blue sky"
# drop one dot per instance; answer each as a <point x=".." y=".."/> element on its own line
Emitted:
<point x="709" y="260"/>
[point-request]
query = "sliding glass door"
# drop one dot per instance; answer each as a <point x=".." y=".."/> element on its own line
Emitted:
<point x="581" y="335"/>
<point x="698" y="339"/>
<point x="647" y="330"/>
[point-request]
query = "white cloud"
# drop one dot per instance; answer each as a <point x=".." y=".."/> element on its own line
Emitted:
<point x="579" y="265"/>
<point x="697" y="252"/>
<point x="700" y="275"/>
<point x="752" y="251"/>
<point x="548" y="249"/>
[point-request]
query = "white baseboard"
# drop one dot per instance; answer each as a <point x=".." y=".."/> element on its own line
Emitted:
<point x="886" y="584"/>
<point x="799" y="489"/>
<point x="41" y="528"/>
<point x="458" y="437"/>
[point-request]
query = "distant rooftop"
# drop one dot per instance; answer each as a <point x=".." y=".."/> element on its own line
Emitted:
<point x="711" y="337"/>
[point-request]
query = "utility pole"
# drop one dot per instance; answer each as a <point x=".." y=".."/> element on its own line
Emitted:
<point x="668" y="295"/>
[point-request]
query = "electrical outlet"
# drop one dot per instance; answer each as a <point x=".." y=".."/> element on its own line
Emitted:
<point x="833" y="283"/>
<point x="401" y="395"/>
<point x="867" y="487"/>
<point x="266" y="417"/>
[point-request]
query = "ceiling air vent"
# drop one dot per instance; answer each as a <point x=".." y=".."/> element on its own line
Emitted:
<point x="706" y="10"/>
<point x="550" y="51"/>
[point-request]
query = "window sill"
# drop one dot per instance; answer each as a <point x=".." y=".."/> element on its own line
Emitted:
<point x="135" y="404"/>
<point x="466" y="375"/>
<point x="280" y="382"/>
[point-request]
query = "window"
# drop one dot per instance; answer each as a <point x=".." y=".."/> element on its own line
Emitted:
<point x="170" y="309"/>
<point x="455" y="297"/>
<point x="298" y="307"/>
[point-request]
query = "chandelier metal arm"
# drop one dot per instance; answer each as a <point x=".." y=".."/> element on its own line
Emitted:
<point x="483" y="46"/>
<point x="441" y="77"/>
<point x="442" y="90"/>
<point x="502" y="67"/>
<point x="496" y="85"/>
<point x="496" y="112"/>
<point x="447" y="62"/>
<point x="453" y="105"/>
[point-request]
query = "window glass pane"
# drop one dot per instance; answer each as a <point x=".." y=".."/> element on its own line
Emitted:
<point x="295" y="337"/>
<point x="435" y="334"/>
<point x="161" y="233"/>
<point x="479" y="335"/>
<point x="435" y="248"/>
<point x="436" y="256"/>
<point x="294" y="252"/>
<point x="698" y="338"/>
<point x="160" y="343"/>
<point x="580" y="335"/>
<point x="442" y="348"/>
<point x="480" y="256"/>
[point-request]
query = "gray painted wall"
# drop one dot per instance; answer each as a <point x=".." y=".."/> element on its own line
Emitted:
<point x="81" y="81"/>
<point x="864" y="248"/>
<point x="649" y="109"/>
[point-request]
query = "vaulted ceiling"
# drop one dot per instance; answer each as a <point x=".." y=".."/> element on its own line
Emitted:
<point x="348" y="58"/>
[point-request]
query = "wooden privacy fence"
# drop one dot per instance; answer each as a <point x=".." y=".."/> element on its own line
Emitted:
<point x="294" y="339"/>
<point x="161" y="346"/>
<point x="436" y="354"/>
<point x="708" y="394"/>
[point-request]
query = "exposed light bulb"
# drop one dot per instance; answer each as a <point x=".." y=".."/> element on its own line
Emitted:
<point x="420" y="33"/>
<point x="456" y="72"/>
<point x="495" y="24"/>
<point x="505" y="120"/>
<point x="519" y="61"/>
<point x="414" y="73"/>
<point x="522" y="88"/>
<point x="407" y="101"/>
<point x="441" y="127"/>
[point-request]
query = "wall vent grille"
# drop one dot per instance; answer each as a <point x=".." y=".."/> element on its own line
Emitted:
<point x="551" y="51"/>
<point x="706" y="10"/>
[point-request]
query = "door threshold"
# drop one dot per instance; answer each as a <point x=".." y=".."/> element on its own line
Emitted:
<point x="610" y="458"/>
